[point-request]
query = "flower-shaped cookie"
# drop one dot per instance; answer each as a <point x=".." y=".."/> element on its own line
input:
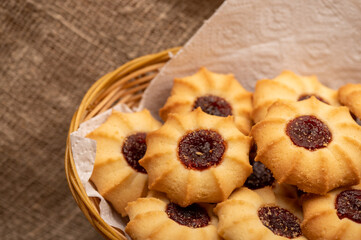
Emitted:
<point x="258" y="215"/>
<point x="289" y="86"/>
<point x="336" y="215"/>
<point x="156" y="218"/>
<point x="310" y="144"/>
<point x="350" y="96"/>
<point x="120" y="145"/>
<point x="216" y="94"/>
<point x="197" y="157"/>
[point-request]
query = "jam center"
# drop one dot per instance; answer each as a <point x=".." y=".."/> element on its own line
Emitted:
<point x="348" y="205"/>
<point x="201" y="149"/>
<point x="213" y="105"/>
<point x="193" y="216"/>
<point x="280" y="221"/>
<point x="308" y="132"/>
<point x="307" y="96"/>
<point x="261" y="176"/>
<point x="133" y="150"/>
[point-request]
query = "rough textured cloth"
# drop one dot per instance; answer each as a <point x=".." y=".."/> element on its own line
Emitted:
<point x="51" y="52"/>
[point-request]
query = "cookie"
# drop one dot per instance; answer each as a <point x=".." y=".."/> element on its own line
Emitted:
<point x="197" y="157"/>
<point x="121" y="143"/>
<point x="155" y="217"/>
<point x="258" y="215"/>
<point x="216" y="94"/>
<point x="336" y="215"/>
<point x="350" y="96"/>
<point x="289" y="86"/>
<point x="310" y="144"/>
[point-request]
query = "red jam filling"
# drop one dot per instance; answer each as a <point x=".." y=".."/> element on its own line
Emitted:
<point x="213" y="105"/>
<point x="133" y="150"/>
<point x="201" y="149"/>
<point x="307" y="96"/>
<point x="280" y="221"/>
<point x="193" y="216"/>
<point x="348" y="205"/>
<point x="308" y="132"/>
<point x="261" y="176"/>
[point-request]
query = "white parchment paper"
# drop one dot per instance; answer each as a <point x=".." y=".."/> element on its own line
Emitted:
<point x="253" y="39"/>
<point x="257" y="39"/>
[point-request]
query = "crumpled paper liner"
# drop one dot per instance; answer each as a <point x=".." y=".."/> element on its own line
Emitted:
<point x="258" y="39"/>
<point x="253" y="40"/>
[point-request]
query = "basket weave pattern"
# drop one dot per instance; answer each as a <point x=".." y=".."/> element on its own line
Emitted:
<point x="124" y="85"/>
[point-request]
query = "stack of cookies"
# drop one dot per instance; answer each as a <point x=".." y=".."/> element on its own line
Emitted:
<point x="281" y="163"/>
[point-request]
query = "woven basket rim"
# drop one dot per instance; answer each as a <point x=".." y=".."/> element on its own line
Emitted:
<point x="102" y="89"/>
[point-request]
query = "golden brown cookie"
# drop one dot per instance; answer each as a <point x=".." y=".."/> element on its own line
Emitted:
<point x="258" y="215"/>
<point x="197" y="157"/>
<point x="310" y="144"/>
<point x="350" y="96"/>
<point x="156" y="218"/>
<point x="216" y="94"/>
<point x="289" y="86"/>
<point x="336" y="215"/>
<point x="120" y="144"/>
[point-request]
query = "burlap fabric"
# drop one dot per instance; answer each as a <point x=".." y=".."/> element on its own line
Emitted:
<point x="50" y="54"/>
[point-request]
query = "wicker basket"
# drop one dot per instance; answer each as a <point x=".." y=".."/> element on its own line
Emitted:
<point x="124" y="85"/>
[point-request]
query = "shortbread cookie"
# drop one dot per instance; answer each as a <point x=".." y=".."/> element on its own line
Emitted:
<point x="120" y="144"/>
<point x="350" y="96"/>
<point x="215" y="94"/>
<point x="310" y="144"/>
<point x="337" y="215"/>
<point x="289" y="86"/>
<point x="258" y="215"/>
<point x="156" y="218"/>
<point x="197" y="157"/>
